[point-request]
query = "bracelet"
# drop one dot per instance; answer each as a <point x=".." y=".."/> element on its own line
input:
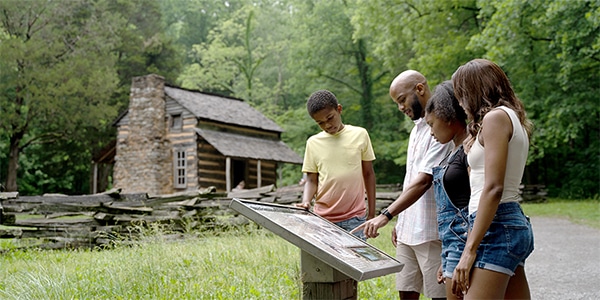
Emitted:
<point x="387" y="214"/>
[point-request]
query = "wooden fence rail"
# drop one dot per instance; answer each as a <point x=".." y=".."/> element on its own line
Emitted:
<point x="60" y="221"/>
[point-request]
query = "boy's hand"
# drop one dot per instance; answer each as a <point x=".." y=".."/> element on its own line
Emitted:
<point x="303" y="205"/>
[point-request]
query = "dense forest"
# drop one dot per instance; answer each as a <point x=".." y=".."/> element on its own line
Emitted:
<point x="66" y="68"/>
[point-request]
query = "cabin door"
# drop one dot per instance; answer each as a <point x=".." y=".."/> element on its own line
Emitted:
<point x="240" y="173"/>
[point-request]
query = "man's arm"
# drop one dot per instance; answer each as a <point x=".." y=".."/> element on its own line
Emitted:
<point x="369" y="179"/>
<point x="417" y="187"/>
<point x="410" y="195"/>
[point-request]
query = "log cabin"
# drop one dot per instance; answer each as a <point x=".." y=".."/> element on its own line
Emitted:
<point x="173" y="140"/>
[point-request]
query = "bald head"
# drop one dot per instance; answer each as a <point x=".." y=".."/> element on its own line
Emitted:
<point x="410" y="92"/>
<point x="405" y="81"/>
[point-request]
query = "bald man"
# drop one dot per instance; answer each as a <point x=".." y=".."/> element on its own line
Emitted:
<point x="415" y="235"/>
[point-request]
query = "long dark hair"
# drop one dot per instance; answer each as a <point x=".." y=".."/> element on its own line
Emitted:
<point x="480" y="86"/>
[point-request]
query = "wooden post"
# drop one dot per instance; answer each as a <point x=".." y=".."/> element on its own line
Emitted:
<point x="321" y="281"/>
<point x="258" y="174"/>
<point x="228" y="174"/>
<point x="95" y="180"/>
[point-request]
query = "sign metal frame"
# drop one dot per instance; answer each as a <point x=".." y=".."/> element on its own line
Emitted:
<point x="320" y="238"/>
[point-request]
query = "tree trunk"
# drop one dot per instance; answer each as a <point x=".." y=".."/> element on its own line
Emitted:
<point x="366" y="83"/>
<point x="13" y="162"/>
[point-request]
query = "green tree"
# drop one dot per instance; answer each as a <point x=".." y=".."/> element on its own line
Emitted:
<point x="428" y="36"/>
<point x="226" y="63"/>
<point x="326" y="53"/>
<point x="551" y="52"/>
<point x="145" y="45"/>
<point x="56" y="73"/>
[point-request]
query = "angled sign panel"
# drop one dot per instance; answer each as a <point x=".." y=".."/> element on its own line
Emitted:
<point x="320" y="238"/>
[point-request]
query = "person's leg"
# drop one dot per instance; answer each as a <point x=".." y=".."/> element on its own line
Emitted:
<point x="507" y="243"/>
<point x="429" y="257"/>
<point x="486" y="284"/>
<point x="409" y="281"/>
<point x="518" y="287"/>
<point x="448" y="284"/>
<point x="408" y="295"/>
<point x="352" y="223"/>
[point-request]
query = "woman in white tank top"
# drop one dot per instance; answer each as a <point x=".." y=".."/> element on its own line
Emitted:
<point x="500" y="236"/>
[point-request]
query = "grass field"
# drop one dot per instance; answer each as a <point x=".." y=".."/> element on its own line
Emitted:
<point x="586" y="212"/>
<point x="253" y="264"/>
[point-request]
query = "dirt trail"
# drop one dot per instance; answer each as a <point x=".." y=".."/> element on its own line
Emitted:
<point x="566" y="261"/>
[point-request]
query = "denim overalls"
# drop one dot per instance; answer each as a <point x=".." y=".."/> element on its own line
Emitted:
<point x="452" y="222"/>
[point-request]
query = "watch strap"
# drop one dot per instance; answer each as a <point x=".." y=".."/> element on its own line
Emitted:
<point x="387" y="214"/>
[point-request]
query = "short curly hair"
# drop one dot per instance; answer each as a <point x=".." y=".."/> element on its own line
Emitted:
<point x="320" y="100"/>
<point x="444" y="105"/>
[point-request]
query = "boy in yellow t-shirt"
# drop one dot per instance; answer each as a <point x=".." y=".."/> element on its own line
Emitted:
<point x="338" y="162"/>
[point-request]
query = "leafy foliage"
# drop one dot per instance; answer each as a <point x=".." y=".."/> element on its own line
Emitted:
<point x="66" y="67"/>
<point x="50" y="86"/>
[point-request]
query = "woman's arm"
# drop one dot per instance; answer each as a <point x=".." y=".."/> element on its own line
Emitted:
<point x="494" y="136"/>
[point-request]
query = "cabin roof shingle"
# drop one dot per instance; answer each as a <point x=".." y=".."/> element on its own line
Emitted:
<point x="235" y="145"/>
<point x="221" y="109"/>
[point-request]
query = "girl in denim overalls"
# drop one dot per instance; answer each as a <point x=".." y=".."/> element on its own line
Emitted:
<point x="450" y="179"/>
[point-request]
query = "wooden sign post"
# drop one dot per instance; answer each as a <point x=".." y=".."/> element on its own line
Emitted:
<point x="332" y="260"/>
<point x="321" y="281"/>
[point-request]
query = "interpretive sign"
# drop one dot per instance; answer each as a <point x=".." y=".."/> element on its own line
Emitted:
<point x="320" y="239"/>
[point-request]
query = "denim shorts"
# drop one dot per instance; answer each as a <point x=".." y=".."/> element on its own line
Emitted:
<point x="452" y="229"/>
<point x="508" y="241"/>
<point x="352" y="223"/>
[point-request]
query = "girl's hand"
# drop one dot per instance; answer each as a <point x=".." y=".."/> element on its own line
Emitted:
<point x="440" y="275"/>
<point x="462" y="272"/>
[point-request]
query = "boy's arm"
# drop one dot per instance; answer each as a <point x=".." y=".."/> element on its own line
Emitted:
<point x="369" y="178"/>
<point x="310" y="189"/>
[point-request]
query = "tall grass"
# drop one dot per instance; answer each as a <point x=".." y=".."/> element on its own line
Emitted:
<point x="233" y="265"/>
<point x="243" y="264"/>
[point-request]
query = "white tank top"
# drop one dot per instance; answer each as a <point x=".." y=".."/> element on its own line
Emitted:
<point x="518" y="148"/>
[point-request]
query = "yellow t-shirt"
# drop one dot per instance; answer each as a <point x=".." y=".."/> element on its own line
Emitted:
<point x="338" y="160"/>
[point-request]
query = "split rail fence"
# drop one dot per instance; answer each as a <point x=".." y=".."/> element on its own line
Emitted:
<point x="57" y="221"/>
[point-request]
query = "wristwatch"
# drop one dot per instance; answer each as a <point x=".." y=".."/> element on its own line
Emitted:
<point x="387" y="214"/>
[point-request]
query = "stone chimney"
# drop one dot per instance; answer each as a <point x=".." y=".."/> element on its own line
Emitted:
<point x="143" y="162"/>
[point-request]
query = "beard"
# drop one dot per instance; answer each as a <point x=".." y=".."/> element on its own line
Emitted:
<point x="416" y="107"/>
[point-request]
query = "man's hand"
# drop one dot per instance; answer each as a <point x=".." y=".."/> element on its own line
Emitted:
<point x="370" y="227"/>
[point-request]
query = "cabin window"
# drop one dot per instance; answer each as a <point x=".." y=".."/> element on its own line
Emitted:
<point x="180" y="164"/>
<point x="176" y="122"/>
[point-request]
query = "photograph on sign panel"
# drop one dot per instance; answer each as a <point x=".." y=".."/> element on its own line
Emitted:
<point x="321" y="233"/>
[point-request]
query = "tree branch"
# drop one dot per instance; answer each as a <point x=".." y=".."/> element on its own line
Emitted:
<point x="341" y="82"/>
<point x="41" y="139"/>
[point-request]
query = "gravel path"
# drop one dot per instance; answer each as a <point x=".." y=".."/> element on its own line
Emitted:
<point x="566" y="261"/>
